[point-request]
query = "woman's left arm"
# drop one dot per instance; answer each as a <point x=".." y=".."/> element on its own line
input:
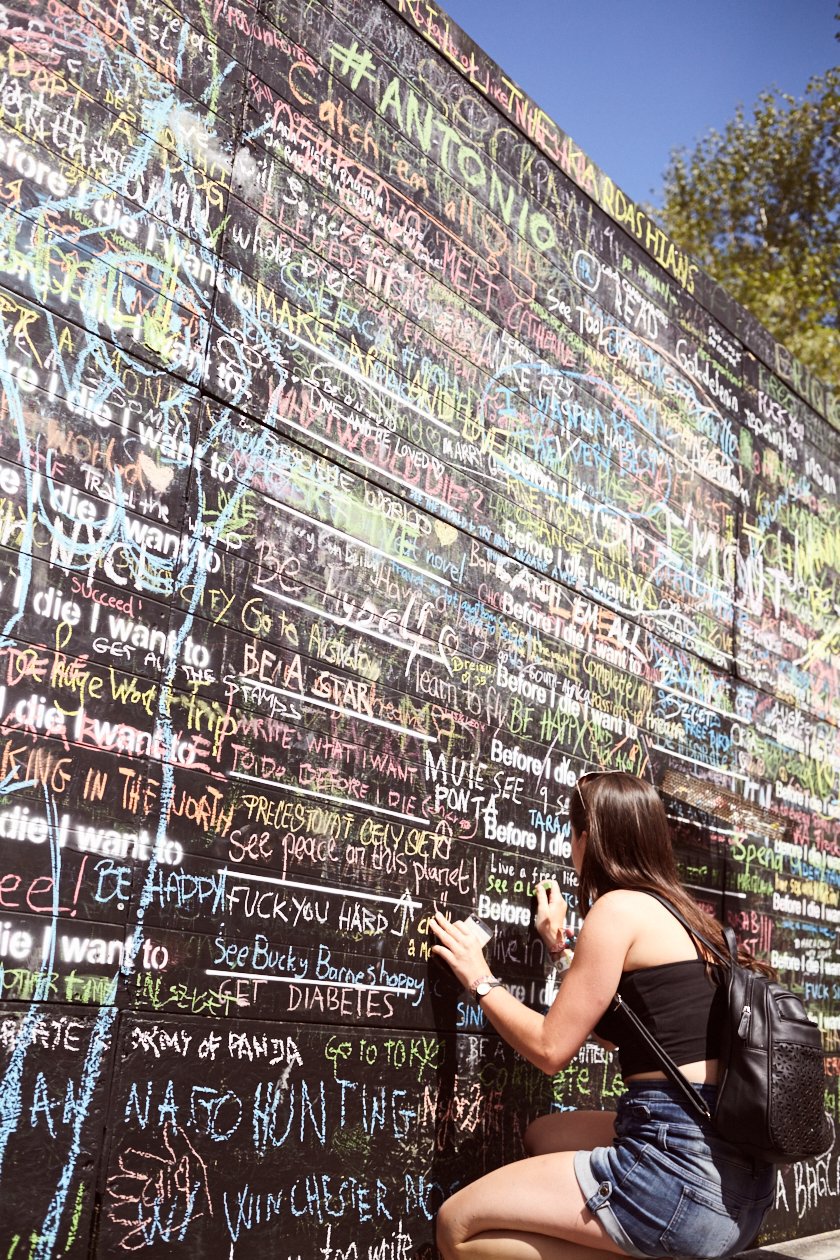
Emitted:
<point x="549" y="1041"/>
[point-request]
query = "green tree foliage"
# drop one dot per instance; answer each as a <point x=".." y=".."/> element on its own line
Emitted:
<point x="759" y="207"/>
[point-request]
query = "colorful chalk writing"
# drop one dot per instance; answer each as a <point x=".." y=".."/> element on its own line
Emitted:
<point x="370" y="467"/>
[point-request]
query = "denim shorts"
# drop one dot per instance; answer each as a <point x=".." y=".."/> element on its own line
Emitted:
<point x="668" y="1186"/>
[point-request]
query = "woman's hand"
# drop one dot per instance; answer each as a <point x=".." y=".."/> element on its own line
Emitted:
<point x="550" y="919"/>
<point x="460" y="947"/>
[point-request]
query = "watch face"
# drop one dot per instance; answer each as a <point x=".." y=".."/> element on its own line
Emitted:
<point x="481" y="990"/>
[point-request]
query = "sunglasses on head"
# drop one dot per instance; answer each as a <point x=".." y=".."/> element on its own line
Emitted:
<point x="595" y="774"/>
<point x="592" y="774"/>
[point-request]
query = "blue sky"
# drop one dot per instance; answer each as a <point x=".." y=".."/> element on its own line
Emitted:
<point x="630" y="80"/>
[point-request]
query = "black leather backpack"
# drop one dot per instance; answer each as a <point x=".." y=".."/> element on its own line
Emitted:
<point x="771" y="1088"/>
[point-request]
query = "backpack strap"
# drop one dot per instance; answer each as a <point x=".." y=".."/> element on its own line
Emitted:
<point x="729" y="935"/>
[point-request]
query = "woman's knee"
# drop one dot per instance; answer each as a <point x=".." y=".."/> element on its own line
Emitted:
<point x="547" y="1134"/>
<point x="445" y="1231"/>
<point x="531" y="1138"/>
<point x="569" y="1131"/>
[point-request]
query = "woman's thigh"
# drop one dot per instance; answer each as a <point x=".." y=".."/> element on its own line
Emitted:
<point x="569" y="1131"/>
<point x="539" y="1195"/>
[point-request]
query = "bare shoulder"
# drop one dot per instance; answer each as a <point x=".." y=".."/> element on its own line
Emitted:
<point x="646" y="930"/>
<point x="625" y="903"/>
<point x="616" y="916"/>
<point x="621" y="918"/>
<point x="635" y="928"/>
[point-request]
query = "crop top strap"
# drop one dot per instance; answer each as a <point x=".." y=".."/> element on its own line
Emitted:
<point x="693" y="933"/>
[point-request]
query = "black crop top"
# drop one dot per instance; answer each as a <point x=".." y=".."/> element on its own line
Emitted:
<point x="679" y="1004"/>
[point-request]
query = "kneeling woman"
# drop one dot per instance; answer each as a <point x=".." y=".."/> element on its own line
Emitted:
<point x="650" y="1180"/>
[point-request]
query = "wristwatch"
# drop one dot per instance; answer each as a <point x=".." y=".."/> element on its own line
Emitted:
<point x="481" y="987"/>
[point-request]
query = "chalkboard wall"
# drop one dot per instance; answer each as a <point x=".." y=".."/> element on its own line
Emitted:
<point x="370" y="466"/>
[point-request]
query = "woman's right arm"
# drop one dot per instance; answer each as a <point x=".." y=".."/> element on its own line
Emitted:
<point x="551" y="1041"/>
<point x="588" y="987"/>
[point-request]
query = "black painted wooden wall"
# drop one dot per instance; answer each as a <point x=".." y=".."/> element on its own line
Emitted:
<point x="370" y="466"/>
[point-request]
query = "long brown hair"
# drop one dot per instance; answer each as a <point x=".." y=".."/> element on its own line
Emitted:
<point x="628" y="845"/>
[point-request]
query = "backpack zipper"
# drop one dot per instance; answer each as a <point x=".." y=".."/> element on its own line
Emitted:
<point x="746" y="1011"/>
